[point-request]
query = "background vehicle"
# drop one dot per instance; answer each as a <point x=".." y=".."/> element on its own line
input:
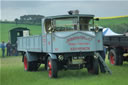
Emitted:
<point x="13" y="34"/>
<point x="118" y="48"/>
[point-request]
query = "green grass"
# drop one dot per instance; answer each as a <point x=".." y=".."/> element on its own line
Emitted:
<point x="12" y="73"/>
<point x="12" y="70"/>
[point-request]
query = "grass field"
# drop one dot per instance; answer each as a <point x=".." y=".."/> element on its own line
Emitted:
<point x="12" y="73"/>
<point x="12" y="69"/>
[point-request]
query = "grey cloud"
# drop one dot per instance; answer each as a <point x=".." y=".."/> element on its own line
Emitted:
<point x="14" y="9"/>
<point x="64" y="0"/>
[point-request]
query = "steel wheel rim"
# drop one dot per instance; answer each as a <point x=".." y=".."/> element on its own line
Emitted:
<point x="25" y="63"/>
<point x="49" y="69"/>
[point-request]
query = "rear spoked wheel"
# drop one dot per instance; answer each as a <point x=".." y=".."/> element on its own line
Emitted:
<point x="30" y="66"/>
<point x="116" y="56"/>
<point x="112" y="57"/>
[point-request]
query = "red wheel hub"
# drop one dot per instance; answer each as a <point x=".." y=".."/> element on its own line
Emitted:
<point x="25" y="63"/>
<point x="112" y="59"/>
<point x="49" y="69"/>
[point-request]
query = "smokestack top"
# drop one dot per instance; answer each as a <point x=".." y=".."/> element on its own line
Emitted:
<point x="73" y="12"/>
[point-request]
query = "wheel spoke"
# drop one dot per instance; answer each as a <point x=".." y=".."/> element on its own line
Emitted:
<point x="50" y="73"/>
<point x="49" y="69"/>
<point x="25" y="63"/>
<point x="112" y="59"/>
<point x="49" y="65"/>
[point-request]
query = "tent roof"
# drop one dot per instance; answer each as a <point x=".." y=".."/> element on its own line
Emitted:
<point x="19" y="29"/>
<point x="109" y="32"/>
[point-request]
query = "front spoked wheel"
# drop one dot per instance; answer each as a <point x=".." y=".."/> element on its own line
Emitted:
<point x="52" y="68"/>
<point x="93" y="66"/>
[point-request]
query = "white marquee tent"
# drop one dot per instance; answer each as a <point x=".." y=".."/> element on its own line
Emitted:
<point x="109" y="32"/>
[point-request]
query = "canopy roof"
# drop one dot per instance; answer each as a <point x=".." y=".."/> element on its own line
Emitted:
<point x="109" y="32"/>
<point x="68" y="16"/>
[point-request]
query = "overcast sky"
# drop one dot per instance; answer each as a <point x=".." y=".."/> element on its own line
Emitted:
<point x="11" y="9"/>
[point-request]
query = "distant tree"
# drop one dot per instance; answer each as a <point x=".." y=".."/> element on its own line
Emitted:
<point x="31" y="19"/>
<point x="16" y="21"/>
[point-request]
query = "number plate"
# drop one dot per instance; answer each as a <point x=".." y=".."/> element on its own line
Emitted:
<point x="77" y="61"/>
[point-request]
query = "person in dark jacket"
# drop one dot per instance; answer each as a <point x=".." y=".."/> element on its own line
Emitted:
<point x="8" y="45"/>
<point x="3" y="49"/>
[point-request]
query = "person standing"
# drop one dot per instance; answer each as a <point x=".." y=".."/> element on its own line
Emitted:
<point x="8" y="45"/>
<point x="3" y="48"/>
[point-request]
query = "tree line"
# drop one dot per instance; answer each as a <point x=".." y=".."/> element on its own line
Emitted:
<point x="29" y="19"/>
